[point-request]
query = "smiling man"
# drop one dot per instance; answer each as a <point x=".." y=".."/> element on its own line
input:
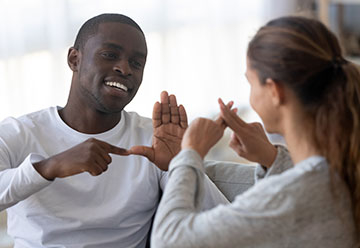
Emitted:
<point x="50" y="201"/>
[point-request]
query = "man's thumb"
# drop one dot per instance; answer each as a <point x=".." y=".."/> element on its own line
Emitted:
<point x="143" y="151"/>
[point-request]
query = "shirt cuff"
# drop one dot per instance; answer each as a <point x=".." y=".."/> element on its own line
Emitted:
<point x="187" y="157"/>
<point x="281" y="163"/>
<point x="29" y="173"/>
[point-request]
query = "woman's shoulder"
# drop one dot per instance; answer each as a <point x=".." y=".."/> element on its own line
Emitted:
<point x="300" y="183"/>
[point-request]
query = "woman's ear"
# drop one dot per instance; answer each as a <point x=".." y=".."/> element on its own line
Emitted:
<point x="276" y="91"/>
<point x="73" y="59"/>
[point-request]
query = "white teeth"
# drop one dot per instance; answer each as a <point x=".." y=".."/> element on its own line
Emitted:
<point x="117" y="85"/>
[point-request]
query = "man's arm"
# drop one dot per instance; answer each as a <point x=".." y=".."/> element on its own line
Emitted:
<point x="36" y="172"/>
<point x="92" y="156"/>
<point x="17" y="184"/>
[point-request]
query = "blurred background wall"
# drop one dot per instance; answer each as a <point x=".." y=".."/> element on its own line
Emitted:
<point x="197" y="50"/>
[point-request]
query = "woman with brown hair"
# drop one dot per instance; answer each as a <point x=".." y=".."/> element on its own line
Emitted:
<point x="303" y="88"/>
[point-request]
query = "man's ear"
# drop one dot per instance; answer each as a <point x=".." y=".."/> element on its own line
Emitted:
<point x="276" y="91"/>
<point x="73" y="59"/>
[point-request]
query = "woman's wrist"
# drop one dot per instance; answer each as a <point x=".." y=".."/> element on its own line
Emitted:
<point x="195" y="148"/>
<point x="270" y="157"/>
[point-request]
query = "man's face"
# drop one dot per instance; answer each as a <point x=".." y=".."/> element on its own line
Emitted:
<point x="111" y="66"/>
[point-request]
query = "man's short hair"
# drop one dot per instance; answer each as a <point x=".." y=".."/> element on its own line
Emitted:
<point x="90" y="27"/>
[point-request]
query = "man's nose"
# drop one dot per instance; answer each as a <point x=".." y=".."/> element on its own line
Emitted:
<point x="123" y="68"/>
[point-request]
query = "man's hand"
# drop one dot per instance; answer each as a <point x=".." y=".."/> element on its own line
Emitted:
<point x="90" y="156"/>
<point x="169" y="123"/>
<point x="249" y="139"/>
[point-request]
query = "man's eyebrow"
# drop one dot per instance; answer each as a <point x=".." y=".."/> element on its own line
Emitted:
<point x="118" y="47"/>
<point x="140" y="55"/>
<point x="112" y="45"/>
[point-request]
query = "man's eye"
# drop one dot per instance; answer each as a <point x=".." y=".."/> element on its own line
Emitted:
<point x="135" y="63"/>
<point x="108" y="55"/>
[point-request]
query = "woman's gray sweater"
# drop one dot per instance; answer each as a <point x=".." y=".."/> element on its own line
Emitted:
<point x="287" y="207"/>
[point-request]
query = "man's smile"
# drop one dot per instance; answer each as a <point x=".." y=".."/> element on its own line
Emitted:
<point x="117" y="85"/>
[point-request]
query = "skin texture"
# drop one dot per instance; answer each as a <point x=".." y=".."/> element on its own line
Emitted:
<point x="248" y="139"/>
<point x="201" y="135"/>
<point x="281" y="112"/>
<point x="265" y="99"/>
<point x="115" y="53"/>
<point x="170" y="123"/>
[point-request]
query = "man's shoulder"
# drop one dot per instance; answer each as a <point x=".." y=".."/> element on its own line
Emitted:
<point x="27" y="121"/>
<point x="43" y="116"/>
<point x="39" y="114"/>
<point x="137" y="121"/>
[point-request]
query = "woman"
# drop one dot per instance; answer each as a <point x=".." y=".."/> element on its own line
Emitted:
<point x="302" y="88"/>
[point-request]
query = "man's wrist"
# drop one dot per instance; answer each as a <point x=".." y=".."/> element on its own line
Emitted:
<point x="44" y="169"/>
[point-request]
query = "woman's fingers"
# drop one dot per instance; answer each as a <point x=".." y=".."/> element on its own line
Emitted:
<point x="259" y="127"/>
<point x="236" y="145"/>
<point x="220" y="120"/>
<point x="232" y="119"/>
<point x="227" y="112"/>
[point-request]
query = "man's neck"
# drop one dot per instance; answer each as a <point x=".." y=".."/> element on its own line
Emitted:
<point x="89" y="121"/>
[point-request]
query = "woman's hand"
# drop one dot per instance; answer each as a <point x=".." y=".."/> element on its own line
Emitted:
<point x="202" y="134"/>
<point x="249" y="139"/>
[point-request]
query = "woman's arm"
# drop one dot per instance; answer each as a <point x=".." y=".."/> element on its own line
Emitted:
<point x="244" y="223"/>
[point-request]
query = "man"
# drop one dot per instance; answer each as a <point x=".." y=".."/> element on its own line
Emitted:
<point x="50" y="201"/>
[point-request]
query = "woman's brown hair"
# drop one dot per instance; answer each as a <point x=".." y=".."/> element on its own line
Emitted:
<point x="305" y="56"/>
